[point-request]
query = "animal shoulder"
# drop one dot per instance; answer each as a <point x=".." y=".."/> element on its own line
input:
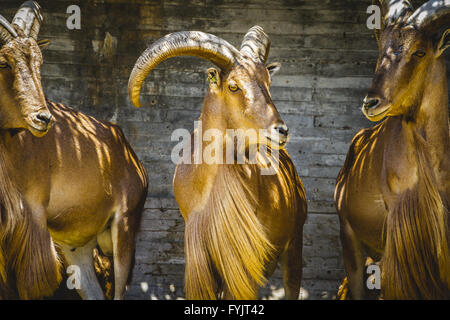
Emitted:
<point x="359" y="141"/>
<point x="80" y="121"/>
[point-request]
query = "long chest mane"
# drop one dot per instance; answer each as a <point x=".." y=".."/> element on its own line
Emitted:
<point x="11" y="201"/>
<point x="241" y="188"/>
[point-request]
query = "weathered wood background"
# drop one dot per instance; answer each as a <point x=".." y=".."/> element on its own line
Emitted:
<point x="328" y="57"/>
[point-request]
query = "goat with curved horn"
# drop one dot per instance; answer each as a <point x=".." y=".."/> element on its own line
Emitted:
<point x="393" y="192"/>
<point x="83" y="186"/>
<point x="239" y="222"/>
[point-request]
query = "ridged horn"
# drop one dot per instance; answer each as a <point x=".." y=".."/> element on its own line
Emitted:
<point x="397" y="10"/>
<point x="430" y="13"/>
<point x="256" y="44"/>
<point x="7" y="32"/>
<point x="392" y="12"/>
<point x="29" y="18"/>
<point x="184" y="43"/>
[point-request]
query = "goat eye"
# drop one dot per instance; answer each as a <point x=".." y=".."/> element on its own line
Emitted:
<point x="4" y="65"/>
<point x="399" y="51"/>
<point x="233" y="87"/>
<point x="419" y="54"/>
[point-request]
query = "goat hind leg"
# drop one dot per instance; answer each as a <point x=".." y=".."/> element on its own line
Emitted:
<point x="124" y="228"/>
<point x="291" y="263"/>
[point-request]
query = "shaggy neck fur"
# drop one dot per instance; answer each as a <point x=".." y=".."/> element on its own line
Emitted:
<point x="416" y="261"/>
<point x="29" y="266"/>
<point x="219" y="236"/>
<point x="219" y="262"/>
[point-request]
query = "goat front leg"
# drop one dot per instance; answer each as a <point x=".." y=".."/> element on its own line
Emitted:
<point x="81" y="258"/>
<point x="353" y="261"/>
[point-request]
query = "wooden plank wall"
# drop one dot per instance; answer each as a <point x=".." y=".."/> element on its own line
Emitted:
<point x="328" y="56"/>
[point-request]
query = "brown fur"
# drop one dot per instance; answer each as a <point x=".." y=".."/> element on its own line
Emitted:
<point x="65" y="177"/>
<point x="392" y="193"/>
<point x="105" y="273"/>
<point x="231" y="242"/>
<point x="31" y="266"/>
<point x="218" y="238"/>
<point x="416" y="260"/>
<point x="28" y="253"/>
<point x="239" y="223"/>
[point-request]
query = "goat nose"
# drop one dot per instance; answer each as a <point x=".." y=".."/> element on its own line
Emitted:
<point x="44" y="117"/>
<point x="369" y="103"/>
<point x="282" y="129"/>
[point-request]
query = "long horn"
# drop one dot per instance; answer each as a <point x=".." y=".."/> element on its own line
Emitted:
<point x="256" y="44"/>
<point x="430" y="13"/>
<point x="184" y="43"/>
<point x="7" y="32"/>
<point x="29" y="18"/>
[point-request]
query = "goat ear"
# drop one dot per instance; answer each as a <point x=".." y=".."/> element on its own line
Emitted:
<point x="43" y="44"/>
<point x="214" y="77"/>
<point x="443" y="43"/>
<point x="273" y="68"/>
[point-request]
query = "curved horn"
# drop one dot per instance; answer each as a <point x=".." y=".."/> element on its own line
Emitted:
<point x="256" y="44"/>
<point x="184" y="43"/>
<point x="397" y="9"/>
<point x="430" y="13"/>
<point x="392" y="11"/>
<point x="7" y="32"/>
<point x="29" y="18"/>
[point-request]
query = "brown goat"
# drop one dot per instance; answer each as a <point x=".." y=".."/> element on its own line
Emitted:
<point x="238" y="221"/>
<point x="393" y="192"/>
<point x="76" y="184"/>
